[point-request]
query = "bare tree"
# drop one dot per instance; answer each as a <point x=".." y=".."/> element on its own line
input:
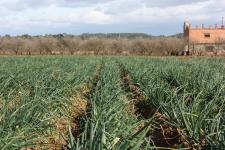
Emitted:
<point x="92" y="45"/>
<point x="47" y="45"/>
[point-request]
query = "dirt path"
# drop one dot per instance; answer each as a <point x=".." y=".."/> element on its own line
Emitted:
<point x="85" y="106"/>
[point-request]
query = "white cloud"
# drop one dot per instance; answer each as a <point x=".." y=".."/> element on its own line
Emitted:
<point x="170" y="13"/>
<point x="98" y="17"/>
<point x="45" y="14"/>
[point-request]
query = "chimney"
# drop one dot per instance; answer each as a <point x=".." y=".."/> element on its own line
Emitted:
<point x="202" y="26"/>
<point x="222" y="26"/>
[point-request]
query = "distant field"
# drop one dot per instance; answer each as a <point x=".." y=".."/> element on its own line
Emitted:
<point x="90" y="102"/>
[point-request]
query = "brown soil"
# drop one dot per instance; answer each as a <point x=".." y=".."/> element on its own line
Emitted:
<point x="163" y="134"/>
<point x="166" y="135"/>
<point x="57" y="140"/>
<point x="85" y="106"/>
<point x="79" y="115"/>
<point x="141" y="106"/>
<point x="78" y="111"/>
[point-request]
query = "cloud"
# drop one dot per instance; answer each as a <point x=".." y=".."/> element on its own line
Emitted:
<point x="144" y="13"/>
<point x="106" y="15"/>
<point x="169" y="3"/>
<point x="98" y="17"/>
<point x="17" y="5"/>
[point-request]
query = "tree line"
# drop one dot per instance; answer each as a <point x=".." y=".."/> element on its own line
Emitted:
<point x="97" y="44"/>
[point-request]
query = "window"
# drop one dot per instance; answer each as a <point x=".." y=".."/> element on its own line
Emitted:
<point x="210" y="48"/>
<point x="207" y="35"/>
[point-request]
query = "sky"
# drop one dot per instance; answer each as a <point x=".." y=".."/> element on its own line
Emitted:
<point x="155" y="17"/>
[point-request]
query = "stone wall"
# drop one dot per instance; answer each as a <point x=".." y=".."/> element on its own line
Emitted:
<point x="207" y="49"/>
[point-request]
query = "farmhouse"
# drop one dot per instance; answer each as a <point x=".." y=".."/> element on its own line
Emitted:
<point x="203" y="39"/>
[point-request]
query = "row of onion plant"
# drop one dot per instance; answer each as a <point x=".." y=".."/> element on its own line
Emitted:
<point x="33" y="91"/>
<point x="109" y="124"/>
<point x="191" y="93"/>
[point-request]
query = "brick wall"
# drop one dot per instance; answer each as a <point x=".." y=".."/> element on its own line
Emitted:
<point x="206" y="35"/>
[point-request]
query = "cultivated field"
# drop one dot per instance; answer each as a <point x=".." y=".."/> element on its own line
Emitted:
<point x="113" y="103"/>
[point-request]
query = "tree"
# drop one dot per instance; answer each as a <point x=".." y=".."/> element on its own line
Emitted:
<point x="47" y="45"/>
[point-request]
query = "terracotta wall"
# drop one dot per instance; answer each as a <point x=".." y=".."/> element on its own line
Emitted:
<point x="198" y="35"/>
